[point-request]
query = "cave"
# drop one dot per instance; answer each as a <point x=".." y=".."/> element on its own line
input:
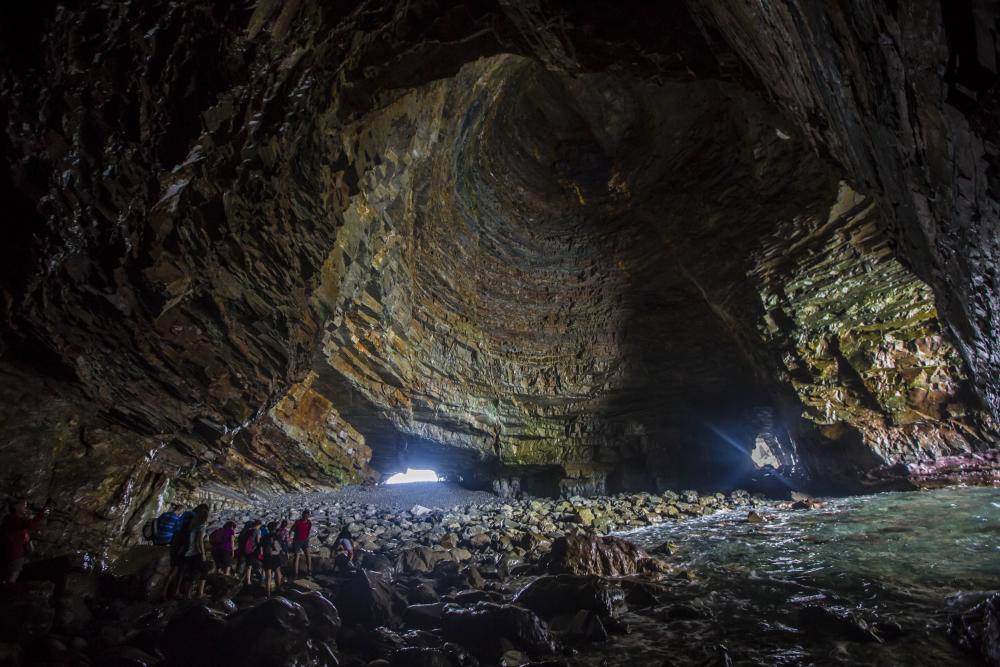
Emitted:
<point x="545" y="251"/>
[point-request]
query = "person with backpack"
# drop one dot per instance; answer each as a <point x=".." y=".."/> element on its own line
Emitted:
<point x="249" y="549"/>
<point x="178" y="545"/>
<point x="15" y="538"/>
<point x="165" y="526"/>
<point x="221" y="541"/>
<point x="195" y="558"/>
<point x="270" y="548"/>
<point x="300" y="541"/>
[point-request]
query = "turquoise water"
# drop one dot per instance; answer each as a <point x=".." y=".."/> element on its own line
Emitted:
<point x="904" y="560"/>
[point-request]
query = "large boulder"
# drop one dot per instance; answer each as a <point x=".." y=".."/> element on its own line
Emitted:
<point x="555" y="595"/>
<point x="277" y="632"/>
<point x="601" y="555"/>
<point x="368" y="598"/>
<point x="977" y="631"/>
<point x="413" y="656"/>
<point x="489" y="629"/>
<point x="26" y="611"/>
<point x="420" y="560"/>
<point x="324" y="619"/>
<point x="194" y="636"/>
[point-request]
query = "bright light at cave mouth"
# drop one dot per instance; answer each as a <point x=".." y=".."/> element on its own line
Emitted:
<point x="413" y="475"/>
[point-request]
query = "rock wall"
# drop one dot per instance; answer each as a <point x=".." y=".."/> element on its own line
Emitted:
<point x="254" y="246"/>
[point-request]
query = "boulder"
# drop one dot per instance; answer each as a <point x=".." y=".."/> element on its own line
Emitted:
<point x="26" y="611"/>
<point x="419" y="657"/>
<point x="977" y="631"/>
<point x="193" y="637"/>
<point x="424" y="616"/>
<point x="277" y="632"/>
<point x="324" y="619"/>
<point x="600" y="555"/>
<point x="419" y="560"/>
<point x="367" y="598"/>
<point x="555" y="595"/>
<point x="489" y="629"/>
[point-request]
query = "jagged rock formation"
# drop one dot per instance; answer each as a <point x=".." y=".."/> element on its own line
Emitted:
<point x="261" y="247"/>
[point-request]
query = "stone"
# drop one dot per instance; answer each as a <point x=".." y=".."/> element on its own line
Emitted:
<point x="486" y="628"/>
<point x="555" y="595"/>
<point x="977" y="631"/>
<point x="366" y="598"/>
<point x="599" y="555"/>
<point x="424" y="616"/>
<point x="420" y="657"/>
<point x="26" y="611"/>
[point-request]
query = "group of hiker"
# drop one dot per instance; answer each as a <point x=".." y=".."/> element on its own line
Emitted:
<point x="257" y="550"/>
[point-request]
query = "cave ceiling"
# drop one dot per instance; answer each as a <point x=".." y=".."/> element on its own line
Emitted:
<point x="270" y="246"/>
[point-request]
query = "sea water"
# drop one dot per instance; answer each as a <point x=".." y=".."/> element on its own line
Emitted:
<point x="904" y="561"/>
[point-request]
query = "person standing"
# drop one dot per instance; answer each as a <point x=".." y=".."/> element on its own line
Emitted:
<point x="300" y="542"/>
<point x="15" y="535"/>
<point x="283" y="540"/>
<point x="249" y="548"/>
<point x="222" y="540"/>
<point x="178" y="545"/>
<point x="271" y="550"/>
<point x="195" y="558"/>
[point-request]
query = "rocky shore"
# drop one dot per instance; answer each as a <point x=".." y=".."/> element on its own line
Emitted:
<point x="494" y="581"/>
<point x="490" y="582"/>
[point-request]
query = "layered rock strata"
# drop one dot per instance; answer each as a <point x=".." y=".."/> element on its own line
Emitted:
<point x="530" y="246"/>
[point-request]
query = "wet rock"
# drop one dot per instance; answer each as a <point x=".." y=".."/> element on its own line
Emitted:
<point x="600" y="555"/>
<point x="584" y="625"/>
<point x="367" y="598"/>
<point x="419" y="560"/>
<point x="490" y="629"/>
<point x="425" y="616"/>
<point x="279" y="632"/>
<point x="420" y="657"/>
<point x="370" y="643"/>
<point x="194" y="636"/>
<point x="554" y="595"/>
<point x="324" y="619"/>
<point x="26" y="611"/>
<point x="125" y="656"/>
<point x="422" y="593"/>
<point x="977" y="631"/>
<point x="837" y="622"/>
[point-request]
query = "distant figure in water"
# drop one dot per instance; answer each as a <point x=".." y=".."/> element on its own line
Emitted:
<point x="300" y="541"/>
<point x="16" y="538"/>
<point x="343" y="551"/>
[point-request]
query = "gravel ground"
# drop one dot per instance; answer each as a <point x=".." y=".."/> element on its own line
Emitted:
<point x="392" y="497"/>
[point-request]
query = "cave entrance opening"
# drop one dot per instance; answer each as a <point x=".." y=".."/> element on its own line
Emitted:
<point x="413" y="475"/>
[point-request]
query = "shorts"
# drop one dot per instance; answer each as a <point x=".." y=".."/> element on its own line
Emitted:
<point x="272" y="562"/>
<point x="195" y="565"/>
<point x="176" y="558"/>
<point x="223" y="559"/>
<point x="299" y="545"/>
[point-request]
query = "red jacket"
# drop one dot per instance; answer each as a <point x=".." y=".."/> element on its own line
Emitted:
<point x="14" y="534"/>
